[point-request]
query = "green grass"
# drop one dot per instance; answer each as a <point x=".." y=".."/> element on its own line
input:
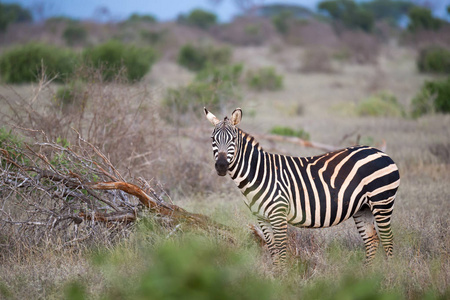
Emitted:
<point x="288" y="131"/>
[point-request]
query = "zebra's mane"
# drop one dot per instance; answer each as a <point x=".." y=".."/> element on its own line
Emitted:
<point x="251" y="139"/>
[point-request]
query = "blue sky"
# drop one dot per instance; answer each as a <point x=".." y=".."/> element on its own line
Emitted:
<point x="164" y="10"/>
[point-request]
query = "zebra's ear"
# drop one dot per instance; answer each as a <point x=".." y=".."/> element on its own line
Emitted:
<point x="212" y="118"/>
<point x="236" y="116"/>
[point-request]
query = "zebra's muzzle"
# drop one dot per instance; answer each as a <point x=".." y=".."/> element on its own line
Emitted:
<point x="222" y="164"/>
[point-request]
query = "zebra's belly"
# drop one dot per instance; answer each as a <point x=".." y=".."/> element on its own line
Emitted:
<point x="326" y="212"/>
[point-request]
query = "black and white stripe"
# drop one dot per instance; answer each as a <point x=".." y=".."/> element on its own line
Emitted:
<point x="320" y="191"/>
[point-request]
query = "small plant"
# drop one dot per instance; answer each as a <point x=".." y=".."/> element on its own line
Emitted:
<point x="222" y="74"/>
<point x="71" y="96"/>
<point x="264" y="79"/>
<point x="112" y="56"/>
<point x="10" y="142"/>
<point x="288" y="131"/>
<point x="152" y="37"/>
<point x="75" y="34"/>
<point x="434" y="96"/>
<point x="381" y="104"/>
<point x="25" y="63"/>
<point x="196" y="58"/>
<point x="435" y="60"/>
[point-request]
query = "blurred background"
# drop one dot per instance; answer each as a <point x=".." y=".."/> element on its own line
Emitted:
<point x="131" y="78"/>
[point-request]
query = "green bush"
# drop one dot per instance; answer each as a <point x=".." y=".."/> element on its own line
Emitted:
<point x="381" y="104"/>
<point x="421" y="18"/>
<point x="190" y="268"/>
<point x="141" y="18"/>
<point x="191" y="99"/>
<point x="214" y="87"/>
<point x="288" y="131"/>
<point x="264" y="79"/>
<point x="199" y="18"/>
<point x="196" y="58"/>
<point x="434" y="59"/>
<point x="349" y="13"/>
<point x="112" y="56"/>
<point x="152" y="37"/>
<point x="13" y="13"/>
<point x="434" y="96"/>
<point x="24" y="63"/>
<point x="74" y="34"/>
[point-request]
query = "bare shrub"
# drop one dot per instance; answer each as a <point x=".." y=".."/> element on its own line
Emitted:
<point x="116" y="117"/>
<point x="316" y="60"/>
<point x="312" y="34"/>
<point x="441" y="151"/>
<point x="426" y="38"/>
<point x="177" y="35"/>
<point x="245" y="31"/>
<point x="363" y="48"/>
<point x="68" y="194"/>
<point x="46" y="195"/>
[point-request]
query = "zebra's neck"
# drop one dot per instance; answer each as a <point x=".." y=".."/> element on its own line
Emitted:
<point x="249" y="155"/>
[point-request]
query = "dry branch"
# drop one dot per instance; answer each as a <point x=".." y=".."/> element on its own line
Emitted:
<point x="48" y="190"/>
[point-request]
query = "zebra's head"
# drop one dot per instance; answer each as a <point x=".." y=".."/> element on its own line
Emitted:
<point x="224" y="139"/>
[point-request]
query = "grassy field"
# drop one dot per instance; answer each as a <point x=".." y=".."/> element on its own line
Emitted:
<point x="152" y="261"/>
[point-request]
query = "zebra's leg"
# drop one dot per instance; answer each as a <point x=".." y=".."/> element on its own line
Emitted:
<point x="268" y="234"/>
<point x="364" y="221"/>
<point x="278" y="220"/>
<point x="382" y="211"/>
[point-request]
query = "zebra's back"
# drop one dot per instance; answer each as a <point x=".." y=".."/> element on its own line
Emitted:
<point x="328" y="189"/>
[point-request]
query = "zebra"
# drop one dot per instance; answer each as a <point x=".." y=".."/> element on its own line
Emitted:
<point x="315" y="192"/>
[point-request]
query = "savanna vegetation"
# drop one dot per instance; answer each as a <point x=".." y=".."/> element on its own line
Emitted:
<point x="107" y="182"/>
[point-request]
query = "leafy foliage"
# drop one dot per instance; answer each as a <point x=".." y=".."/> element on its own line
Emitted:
<point x="111" y="56"/>
<point x="199" y="18"/>
<point x="264" y="78"/>
<point x="349" y="13"/>
<point x="25" y="63"/>
<point x="196" y="58"/>
<point x="141" y="18"/>
<point x="381" y="104"/>
<point x="390" y="10"/>
<point x="434" y="96"/>
<point x="434" y="59"/>
<point x="192" y="267"/>
<point x="10" y="142"/>
<point x="13" y="13"/>
<point x="420" y="18"/>
<point x="288" y="131"/>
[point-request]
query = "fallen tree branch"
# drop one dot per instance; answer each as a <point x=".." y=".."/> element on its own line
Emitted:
<point x="48" y="189"/>
<point x="297" y="141"/>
